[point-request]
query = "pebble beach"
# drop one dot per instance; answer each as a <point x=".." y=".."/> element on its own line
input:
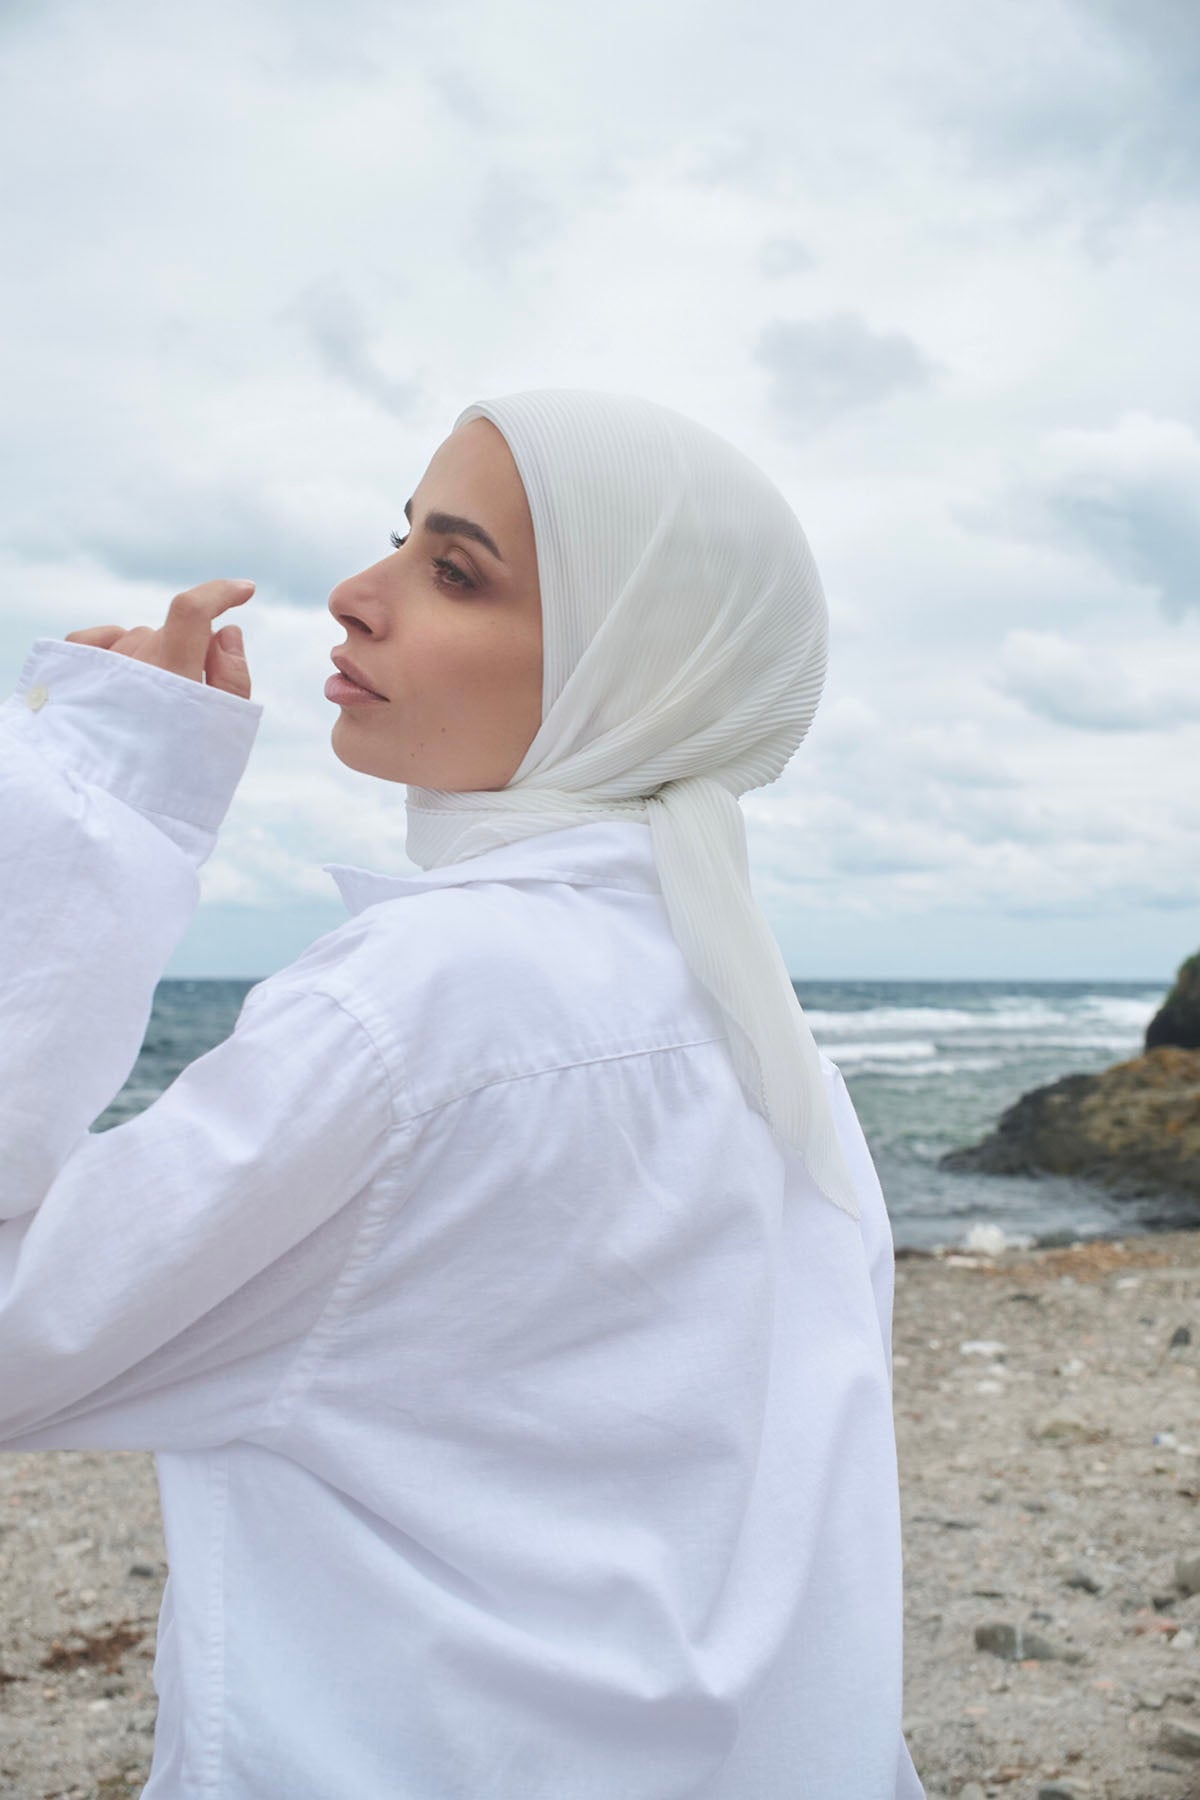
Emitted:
<point x="1047" y="1408"/>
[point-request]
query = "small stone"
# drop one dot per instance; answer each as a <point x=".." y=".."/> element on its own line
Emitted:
<point x="972" y="1791"/>
<point x="1013" y="1643"/>
<point x="1083" y="1577"/>
<point x="1060" y="1790"/>
<point x="1184" y="1640"/>
<point x="1066" y="1428"/>
<point x="143" y="1570"/>
<point x="1180" y="1739"/>
<point x="1187" y="1573"/>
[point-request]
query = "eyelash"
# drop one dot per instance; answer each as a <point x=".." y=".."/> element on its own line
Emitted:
<point x="442" y="563"/>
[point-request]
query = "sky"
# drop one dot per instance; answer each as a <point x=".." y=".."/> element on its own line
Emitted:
<point x="933" y="268"/>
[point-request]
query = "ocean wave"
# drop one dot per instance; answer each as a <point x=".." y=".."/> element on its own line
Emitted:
<point x="1122" y="1016"/>
<point x="938" y="1067"/>
<point x="898" y="1052"/>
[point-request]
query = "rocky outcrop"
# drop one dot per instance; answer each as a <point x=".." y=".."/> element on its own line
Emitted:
<point x="1177" y="1020"/>
<point x="1134" y="1128"/>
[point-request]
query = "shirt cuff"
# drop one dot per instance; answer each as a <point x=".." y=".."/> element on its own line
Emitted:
<point x="162" y="743"/>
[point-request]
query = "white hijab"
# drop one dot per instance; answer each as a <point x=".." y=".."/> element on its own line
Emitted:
<point x="685" y="638"/>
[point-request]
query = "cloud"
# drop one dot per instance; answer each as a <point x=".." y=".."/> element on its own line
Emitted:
<point x="820" y="369"/>
<point x="513" y="214"/>
<point x="1074" y="685"/>
<point x="1102" y="116"/>
<point x="334" y="323"/>
<point x="785" y="256"/>
<point x="175" y="531"/>
<point x="1127" y="496"/>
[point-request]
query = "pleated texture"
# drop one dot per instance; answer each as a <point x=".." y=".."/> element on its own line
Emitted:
<point x="685" y="642"/>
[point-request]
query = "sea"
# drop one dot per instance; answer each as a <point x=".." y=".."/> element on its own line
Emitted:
<point x="930" y="1066"/>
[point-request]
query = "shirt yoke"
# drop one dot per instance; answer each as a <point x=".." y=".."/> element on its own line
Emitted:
<point x="461" y="988"/>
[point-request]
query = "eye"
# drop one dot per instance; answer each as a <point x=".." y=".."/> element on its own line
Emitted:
<point x="448" y="573"/>
<point x="448" y="569"/>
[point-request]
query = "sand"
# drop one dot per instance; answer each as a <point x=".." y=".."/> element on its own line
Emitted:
<point x="1037" y="1505"/>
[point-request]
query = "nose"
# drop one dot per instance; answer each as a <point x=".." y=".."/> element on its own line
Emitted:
<point x="357" y="602"/>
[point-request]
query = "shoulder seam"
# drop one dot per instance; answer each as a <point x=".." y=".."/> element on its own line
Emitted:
<point x="581" y="1062"/>
<point x="398" y="1120"/>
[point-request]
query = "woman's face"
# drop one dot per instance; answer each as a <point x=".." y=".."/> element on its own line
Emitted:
<point x="448" y="630"/>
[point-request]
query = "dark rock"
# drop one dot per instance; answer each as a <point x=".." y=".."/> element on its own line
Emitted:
<point x="1180" y="1739"/>
<point x="1177" y="1020"/>
<point x="1134" y="1128"/>
<point x="1013" y="1643"/>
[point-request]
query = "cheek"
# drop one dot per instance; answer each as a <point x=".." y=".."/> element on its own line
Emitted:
<point x="449" y="659"/>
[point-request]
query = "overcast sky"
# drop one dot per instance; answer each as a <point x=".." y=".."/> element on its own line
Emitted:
<point x="934" y="267"/>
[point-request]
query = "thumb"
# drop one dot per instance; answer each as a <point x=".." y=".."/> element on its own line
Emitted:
<point x="225" y="666"/>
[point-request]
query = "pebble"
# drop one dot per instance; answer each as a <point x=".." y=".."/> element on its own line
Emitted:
<point x="1067" y="1427"/>
<point x="1179" y="1738"/>
<point x="1013" y="1643"/>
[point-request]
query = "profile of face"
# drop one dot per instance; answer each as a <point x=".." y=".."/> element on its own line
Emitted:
<point x="448" y="628"/>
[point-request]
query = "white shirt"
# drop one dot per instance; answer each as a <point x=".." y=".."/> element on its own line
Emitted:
<point x="523" y="1415"/>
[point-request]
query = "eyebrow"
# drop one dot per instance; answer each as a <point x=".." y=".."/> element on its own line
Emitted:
<point x="444" y="524"/>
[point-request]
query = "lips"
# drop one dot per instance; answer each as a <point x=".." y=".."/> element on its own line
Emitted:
<point x="347" y="668"/>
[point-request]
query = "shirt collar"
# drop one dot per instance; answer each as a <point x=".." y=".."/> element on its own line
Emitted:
<point x="610" y="853"/>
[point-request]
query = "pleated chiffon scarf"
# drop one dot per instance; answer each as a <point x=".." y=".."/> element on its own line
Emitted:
<point x="685" y="641"/>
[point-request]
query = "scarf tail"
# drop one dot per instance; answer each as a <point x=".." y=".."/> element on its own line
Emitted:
<point x="700" y="849"/>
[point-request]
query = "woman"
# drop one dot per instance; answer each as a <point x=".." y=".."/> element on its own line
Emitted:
<point x="508" y="1298"/>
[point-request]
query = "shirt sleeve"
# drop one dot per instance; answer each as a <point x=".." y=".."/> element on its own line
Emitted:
<point x="161" y="1294"/>
<point x="158" y="1279"/>
<point x="874" y="1222"/>
<point x="115" y="777"/>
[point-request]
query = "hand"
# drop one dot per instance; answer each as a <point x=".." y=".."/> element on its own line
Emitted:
<point x="185" y="643"/>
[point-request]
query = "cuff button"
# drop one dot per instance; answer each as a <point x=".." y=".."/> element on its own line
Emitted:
<point x="37" y="697"/>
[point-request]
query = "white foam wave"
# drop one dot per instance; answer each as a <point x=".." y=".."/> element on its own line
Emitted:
<point x="939" y="1066"/>
<point x="1119" y="1018"/>
<point x="902" y="1051"/>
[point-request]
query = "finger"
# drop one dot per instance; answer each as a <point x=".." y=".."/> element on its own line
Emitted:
<point x="100" y="635"/>
<point x="187" y="629"/>
<point x="226" y="666"/>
